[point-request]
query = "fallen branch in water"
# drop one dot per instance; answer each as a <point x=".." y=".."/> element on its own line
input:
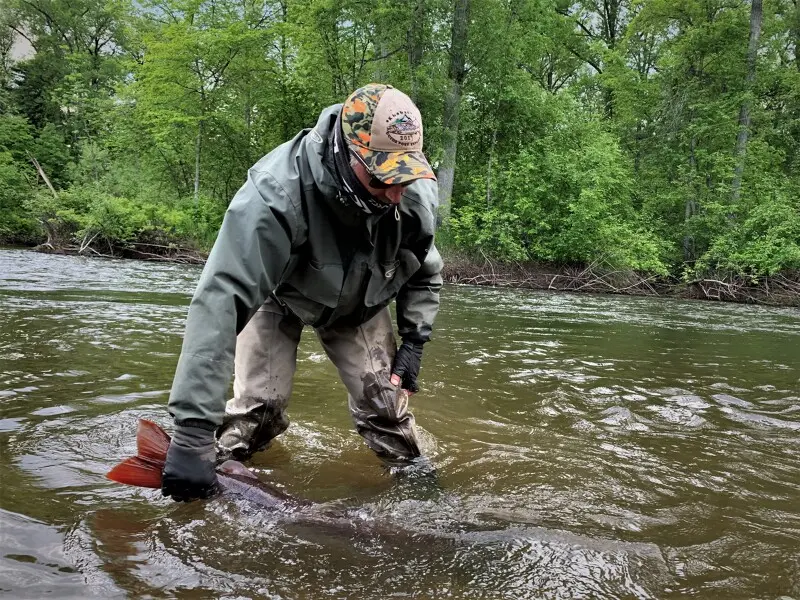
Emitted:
<point x="172" y="253"/>
<point x="165" y="253"/>
<point x="187" y="259"/>
<point x="86" y="243"/>
<point x="774" y="290"/>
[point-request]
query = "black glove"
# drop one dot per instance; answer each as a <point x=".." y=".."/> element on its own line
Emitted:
<point x="406" y="365"/>
<point x="189" y="472"/>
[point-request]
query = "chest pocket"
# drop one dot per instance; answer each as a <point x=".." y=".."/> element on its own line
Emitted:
<point x="310" y="288"/>
<point x="386" y="279"/>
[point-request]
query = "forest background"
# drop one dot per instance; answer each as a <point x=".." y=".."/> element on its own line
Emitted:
<point x="657" y="140"/>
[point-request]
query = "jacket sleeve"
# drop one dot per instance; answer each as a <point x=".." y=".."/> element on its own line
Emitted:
<point x="250" y="253"/>
<point x="418" y="300"/>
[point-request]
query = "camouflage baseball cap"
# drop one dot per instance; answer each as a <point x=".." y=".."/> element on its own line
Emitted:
<point x="382" y="124"/>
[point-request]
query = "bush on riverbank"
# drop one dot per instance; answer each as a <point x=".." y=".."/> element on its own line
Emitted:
<point x="109" y="226"/>
<point x="623" y="150"/>
<point x="565" y="197"/>
<point x="87" y="220"/>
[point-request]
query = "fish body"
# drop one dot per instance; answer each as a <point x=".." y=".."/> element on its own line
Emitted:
<point x="145" y="469"/>
<point x="234" y="479"/>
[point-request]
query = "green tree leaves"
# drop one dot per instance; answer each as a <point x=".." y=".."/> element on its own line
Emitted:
<point x="565" y="198"/>
<point x="571" y="131"/>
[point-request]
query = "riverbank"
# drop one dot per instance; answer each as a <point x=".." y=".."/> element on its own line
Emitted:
<point x="162" y="252"/>
<point x="779" y="290"/>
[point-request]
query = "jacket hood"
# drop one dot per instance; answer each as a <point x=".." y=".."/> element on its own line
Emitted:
<point x="320" y="155"/>
<point x="319" y="151"/>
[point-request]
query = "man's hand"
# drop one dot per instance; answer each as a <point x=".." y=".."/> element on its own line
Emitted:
<point x="189" y="472"/>
<point x="406" y="366"/>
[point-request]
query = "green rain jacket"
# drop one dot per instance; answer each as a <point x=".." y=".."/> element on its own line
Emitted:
<point x="286" y="235"/>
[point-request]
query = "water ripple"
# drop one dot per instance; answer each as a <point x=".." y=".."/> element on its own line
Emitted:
<point x="586" y="446"/>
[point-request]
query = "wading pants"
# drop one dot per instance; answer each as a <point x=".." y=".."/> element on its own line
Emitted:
<point x="265" y="362"/>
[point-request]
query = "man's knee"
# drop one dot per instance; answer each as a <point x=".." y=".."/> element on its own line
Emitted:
<point x="384" y="422"/>
<point x="378" y="396"/>
<point x="241" y="435"/>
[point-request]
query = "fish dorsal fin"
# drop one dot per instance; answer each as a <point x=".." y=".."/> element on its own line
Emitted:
<point x="152" y="442"/>
<point x="233" y="467"/>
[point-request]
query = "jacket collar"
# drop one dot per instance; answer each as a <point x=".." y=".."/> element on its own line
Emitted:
<point x="320" y="157"/>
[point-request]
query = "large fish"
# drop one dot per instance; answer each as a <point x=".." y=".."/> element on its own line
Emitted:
<point x="144" y="470"/>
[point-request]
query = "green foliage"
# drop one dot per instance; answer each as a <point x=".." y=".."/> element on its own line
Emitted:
<point x="766" y="242"/>
<point x="51" y="151"/>
<point x="34" y="81"/>
<point x="564" y="198"/>
<point x="86" y="215"/>
<point x="102" y="216"/>
<point x="16" y="136"/>
<point x="57" y="217"/>
<point x="586" y="132"/>
<point x="93" y="164"/>
<point x="15" y="223"/>
<point x="760" y="235"/>
<point x="16" y="140"/>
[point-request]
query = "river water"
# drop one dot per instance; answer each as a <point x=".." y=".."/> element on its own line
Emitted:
<point x="587" y="447"/>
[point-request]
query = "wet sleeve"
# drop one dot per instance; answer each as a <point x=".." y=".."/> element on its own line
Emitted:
<point x="418" y="300"/>
<point x="252" y="249"/>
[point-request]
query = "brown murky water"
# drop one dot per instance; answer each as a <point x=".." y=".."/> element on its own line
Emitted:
<point x="587" y="446"/>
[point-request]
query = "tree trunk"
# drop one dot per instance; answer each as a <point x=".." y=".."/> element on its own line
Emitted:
<point x="414" y="43"/>
<point x="489" y="168"/>
<point x="690" y="207"/>
<point x="286" y="102"/>
<point x="378" y="71"/>
<point x="197" y="164"/>
<point x="248" y="124"/>
<point x="457" y="74"/>
<point x="796" y="33"/>
<point x="611" y="25"/>
<point x="43" y="175"/>
<point x="744" y="112"/>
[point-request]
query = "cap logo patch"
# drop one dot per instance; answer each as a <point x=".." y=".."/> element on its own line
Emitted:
<point x="403" y="129"/>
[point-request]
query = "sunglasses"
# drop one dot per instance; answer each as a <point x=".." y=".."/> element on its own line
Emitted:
<point x="374" y="182"/>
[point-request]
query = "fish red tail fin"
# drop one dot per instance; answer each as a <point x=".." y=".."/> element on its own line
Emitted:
<point x="144" y="469"/>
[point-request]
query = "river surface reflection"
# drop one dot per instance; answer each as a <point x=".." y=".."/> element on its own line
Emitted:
<point x="587" y="447"/>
